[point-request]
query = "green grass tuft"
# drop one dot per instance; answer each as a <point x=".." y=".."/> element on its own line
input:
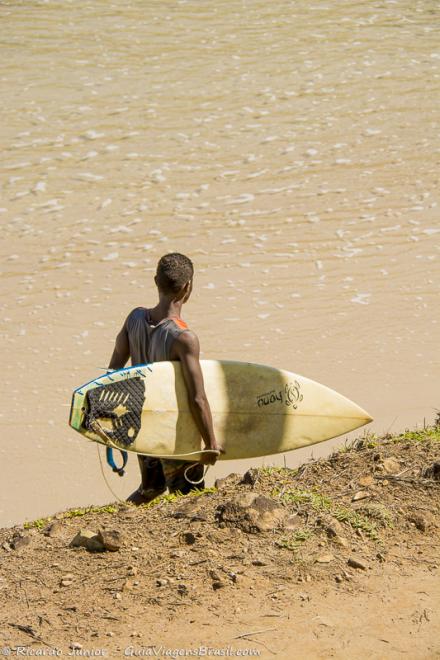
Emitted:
<point x="296" y="496"/>
<point x="294" y="541"/>
<point x="372" y="440"/>
<point x="378" y="512"/>
<point x="355" y="519"/>
<point x="173" y="497"/>
<point x="40" y="523"/>
<point x="277" y="469"/>
<point x="429" y="434"/>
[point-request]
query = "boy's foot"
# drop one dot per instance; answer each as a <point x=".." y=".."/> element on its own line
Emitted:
<point x="141" y="496"/>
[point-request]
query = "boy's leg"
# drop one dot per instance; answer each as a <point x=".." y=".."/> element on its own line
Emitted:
<point x="174" y="472"/>
<point x="152" y="481"/>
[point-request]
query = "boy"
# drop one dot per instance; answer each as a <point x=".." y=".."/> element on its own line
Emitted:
<point x="157" y="334"/>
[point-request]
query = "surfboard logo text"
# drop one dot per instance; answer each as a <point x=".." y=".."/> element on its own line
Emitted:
<point x="289" y="396"/>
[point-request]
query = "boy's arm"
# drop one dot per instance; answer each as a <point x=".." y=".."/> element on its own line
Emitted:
<point x="186" y="348"/>
<point x="121" y="352"/>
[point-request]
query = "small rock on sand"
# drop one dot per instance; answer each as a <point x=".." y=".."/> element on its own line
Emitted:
<point x="88" y="539"/>
<point x="360" y="495"/>
<point x="432" y="471"/>
<point x="391" y="465"/>
<point x="252" y="513"/>
<point x="111" y="539"/>
<point x="67" y="580"/>
<point x="258" y="561"/>
<point x="324" y="559"/>
<point x="354" y="562"/>
<point x="366" y="481"/>
<point x="231" y="480"/>
<point x="293" y="522"/>
<point x="53" y="529"/>
<point x="193" y="510"/>
<point x="332" y="526"/>
<point x="340" y="540"/>
<point x="19" y="541"/>
<point x="250" y="477"/>
<point x="422" y="522"/>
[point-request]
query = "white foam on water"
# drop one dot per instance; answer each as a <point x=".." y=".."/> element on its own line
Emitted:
<point x="18" y="166"/>
<point x="121" y="229"/>
<point x="361" y="298"/>
<point x="89" y="176"/>
<point x="92" y="135"/>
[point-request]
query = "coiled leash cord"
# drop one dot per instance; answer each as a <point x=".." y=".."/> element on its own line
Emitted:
<point x="99" y="430"/>
<point x="199" y="481"/>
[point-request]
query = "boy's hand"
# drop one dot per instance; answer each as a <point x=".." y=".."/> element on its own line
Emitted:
<point x="211" y="456"/>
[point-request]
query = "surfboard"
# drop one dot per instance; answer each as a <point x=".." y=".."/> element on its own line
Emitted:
<point x="257" y="410"/>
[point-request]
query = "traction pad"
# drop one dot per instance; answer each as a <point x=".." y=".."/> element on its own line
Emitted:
<point x="120" y="402"/>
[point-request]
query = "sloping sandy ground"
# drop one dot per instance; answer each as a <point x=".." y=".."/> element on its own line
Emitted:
<point x="338" y="559"/>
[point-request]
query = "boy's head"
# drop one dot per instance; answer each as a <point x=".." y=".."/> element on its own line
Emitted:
<point x="174" y="275"/>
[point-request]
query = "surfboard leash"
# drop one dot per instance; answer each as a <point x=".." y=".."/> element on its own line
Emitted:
<point x="99" y="430"/>
<point x="195" y="483"/>
<point x="106" y="481"/>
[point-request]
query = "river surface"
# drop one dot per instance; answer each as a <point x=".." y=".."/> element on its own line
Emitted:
<point x="291" y="148"/>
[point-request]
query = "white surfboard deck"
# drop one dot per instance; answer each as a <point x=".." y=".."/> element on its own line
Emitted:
<point x="257" y="410"/>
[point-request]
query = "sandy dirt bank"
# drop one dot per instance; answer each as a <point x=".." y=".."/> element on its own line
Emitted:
<point x="338" y="559"/>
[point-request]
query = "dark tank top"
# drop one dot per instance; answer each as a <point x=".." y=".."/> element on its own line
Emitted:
<point x="149" y="342"/>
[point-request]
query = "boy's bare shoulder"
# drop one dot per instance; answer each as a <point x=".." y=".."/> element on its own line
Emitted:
<point x="186" y="342"/>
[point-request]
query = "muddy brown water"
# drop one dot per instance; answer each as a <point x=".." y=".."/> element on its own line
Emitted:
<point x="291" y="149"/>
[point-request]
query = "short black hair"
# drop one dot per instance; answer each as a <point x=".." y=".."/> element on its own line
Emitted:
<point x="174" y="270"/>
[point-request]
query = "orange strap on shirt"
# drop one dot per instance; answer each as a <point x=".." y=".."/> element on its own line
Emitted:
<point x="179" y="322"/>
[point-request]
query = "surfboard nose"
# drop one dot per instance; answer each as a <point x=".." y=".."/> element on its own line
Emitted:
<point x="365" y="416"/>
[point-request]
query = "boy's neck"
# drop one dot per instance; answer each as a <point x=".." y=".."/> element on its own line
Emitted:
<point x="166" y="308"/>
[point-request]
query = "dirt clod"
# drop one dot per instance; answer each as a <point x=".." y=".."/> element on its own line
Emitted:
<point x="189" y="538"/>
